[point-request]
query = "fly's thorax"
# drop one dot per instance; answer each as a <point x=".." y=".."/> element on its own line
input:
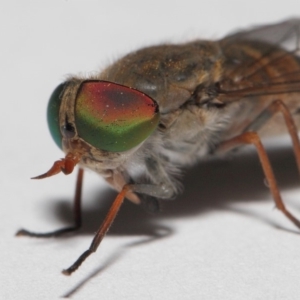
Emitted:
<point x="168" y="73"/>
<point x="102" y="122"/>
<point x="194" y="131"/>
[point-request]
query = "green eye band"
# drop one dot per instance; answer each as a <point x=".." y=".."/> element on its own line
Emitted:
<point x="53" y="114"/>
<point x="113" y="117"/>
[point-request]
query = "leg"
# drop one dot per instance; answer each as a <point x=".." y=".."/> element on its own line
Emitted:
<point x="270" y="111"/>
<point x="77" y="214"/>
<point x="164" y="190"/>
<point x="162" y="187"/>
<point x="101" y="231"/>
<point x="253" y="138"/>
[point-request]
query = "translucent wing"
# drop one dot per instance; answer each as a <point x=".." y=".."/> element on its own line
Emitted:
<point x="285" y="33"/>
<point x="261" y="61"/>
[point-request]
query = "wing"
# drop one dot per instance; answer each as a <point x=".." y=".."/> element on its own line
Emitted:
<point x="261" y="61"/>
<point x="281" y="33"/>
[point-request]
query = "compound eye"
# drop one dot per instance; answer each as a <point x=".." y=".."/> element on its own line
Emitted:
<point x="53" y="114"/>
<point x="114" y="117"/>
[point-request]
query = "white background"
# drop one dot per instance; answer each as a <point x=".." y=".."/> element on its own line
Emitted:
<point x="221" y="239"/>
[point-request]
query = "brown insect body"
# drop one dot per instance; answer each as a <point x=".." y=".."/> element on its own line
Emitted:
<point x="244" y="75"/>
<point x="212" y="97"/>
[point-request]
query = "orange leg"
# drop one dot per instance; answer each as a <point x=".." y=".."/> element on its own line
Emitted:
<point x="279" y="107"/>
<point x="253" y="138"/>
<point x="101" y="231"/>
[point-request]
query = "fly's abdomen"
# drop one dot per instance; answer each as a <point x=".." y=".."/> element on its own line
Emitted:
<point x="257" y="64"/>
<point x="259" y="73"/>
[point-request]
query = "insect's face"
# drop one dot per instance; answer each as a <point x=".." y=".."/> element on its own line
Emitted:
<point x="105" y="116"/>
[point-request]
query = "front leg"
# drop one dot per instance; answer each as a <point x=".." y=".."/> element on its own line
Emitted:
<point x="161" y="188"/>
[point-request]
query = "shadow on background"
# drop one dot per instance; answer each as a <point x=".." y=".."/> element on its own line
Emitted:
<point x="211" y="185"/>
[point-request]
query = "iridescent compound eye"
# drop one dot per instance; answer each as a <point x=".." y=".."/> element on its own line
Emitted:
<point x="53" y="114"/>
<point x="113" y="117"/>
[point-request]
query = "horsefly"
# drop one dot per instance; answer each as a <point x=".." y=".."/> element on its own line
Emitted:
<point x="163" y="108"/>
